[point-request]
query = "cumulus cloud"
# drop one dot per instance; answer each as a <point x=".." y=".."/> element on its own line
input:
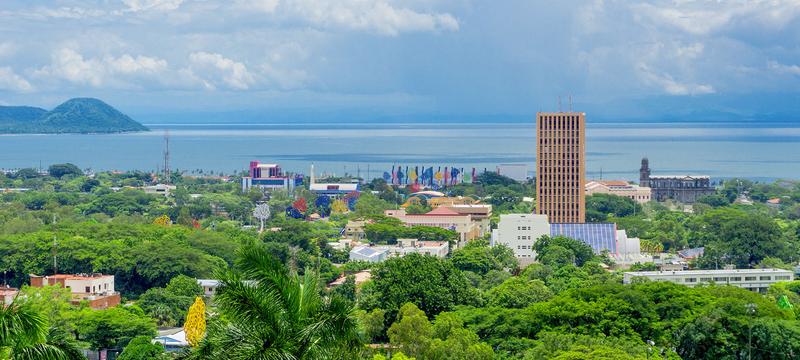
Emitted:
<point x="159" y="5"/>
<point x="9" y="80"/>
<point x="378" y="16"/>
<point x="68" y="64"/>
<point x="783" y="68"/>
<point x="216" y="70"/>
<point x="671" y="86"/>
<point x="704" y="17"/>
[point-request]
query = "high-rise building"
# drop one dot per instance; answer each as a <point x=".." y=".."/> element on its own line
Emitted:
<point x="561" y="166"/>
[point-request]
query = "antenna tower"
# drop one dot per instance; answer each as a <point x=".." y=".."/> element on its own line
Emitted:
<point x="167" y="173"/>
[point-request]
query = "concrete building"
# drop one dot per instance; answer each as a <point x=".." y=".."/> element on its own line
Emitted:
<point x="414" y="246"/>
<point x="269" y="177"/>
<point x="618" y="188"/>
<point x="159" y="189"/>
<point x="354" y="230"/>
<point x="520" y="232"/>
<point x="518" y="172"/>
<point x="757" y="280"/>
<point x="561" y="166"/>
<point x="209" y="286"/>
<point x="96" y="289"/>
<point x="368" y="254"/>
<point x="7" y="295"/>
<point x="480" y="213"/>
<point x="442" y="217"/>
<point x="682" y="188"/>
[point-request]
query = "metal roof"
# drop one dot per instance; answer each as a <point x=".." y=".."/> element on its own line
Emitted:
<point x="602" y="236"/>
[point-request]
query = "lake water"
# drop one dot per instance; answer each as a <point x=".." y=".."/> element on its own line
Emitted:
<point x="753" y="150"/>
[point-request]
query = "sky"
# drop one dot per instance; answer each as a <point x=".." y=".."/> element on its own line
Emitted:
<point x="380" y="59"/>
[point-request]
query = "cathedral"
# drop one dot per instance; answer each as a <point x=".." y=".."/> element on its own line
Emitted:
<point x="682" y="188"/>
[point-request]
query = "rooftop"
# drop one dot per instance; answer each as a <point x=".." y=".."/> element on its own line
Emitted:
<point x="683" y="177"/>
<point x="708" y="272"/>
<point x="75" y="276"/>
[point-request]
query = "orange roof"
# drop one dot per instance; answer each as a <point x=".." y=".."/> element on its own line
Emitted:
<point x="614" y="182"/>
<point x="76" y="276"/>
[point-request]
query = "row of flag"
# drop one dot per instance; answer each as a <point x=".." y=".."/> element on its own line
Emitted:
<point x="420" y="175"/>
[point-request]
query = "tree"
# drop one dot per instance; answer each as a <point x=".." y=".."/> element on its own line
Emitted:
<point x="59" y="170"/>
<point x="277" y="314"/>
<point x="412" y="331"/>
<point x="195" y="324"/>
<point x="142" y="348"/>
<point x="561" y="250"/>
<point x="163" y="220"/>
<point x="262" y="213"/>
<point x="370" y="205"/>
<point x="24" y="335"/>
<point x="113" y="328"/>
<point x="517" y="292"/>
<point x="372" y="324"/>
<point x="434" y="284"/>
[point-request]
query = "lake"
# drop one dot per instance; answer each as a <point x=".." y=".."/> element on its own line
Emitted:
<point x="753" y="150"/>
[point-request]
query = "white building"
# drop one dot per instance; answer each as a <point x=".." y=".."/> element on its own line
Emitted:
<point x="159" y="189"/>
<point x="519" y="232"/>
<point x="368" y="254"/>
<point x="209" y="286"/>
<point x="620" y="188"/>
<point x="757" y="280"/>
<point x="414" y="246"/>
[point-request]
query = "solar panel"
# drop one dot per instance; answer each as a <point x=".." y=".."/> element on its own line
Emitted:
<point x="600" y="237"/>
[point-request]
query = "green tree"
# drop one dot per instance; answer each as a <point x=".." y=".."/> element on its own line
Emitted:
<point x="113" y="328"/>
<point x="412" y="331"/>
<point x="24" y="335"/>
<point x="433" y="283"/>
<point x="60" y="170"/>
<point x="518" y="292"/>
<point x="279" y="315"/>
<point x="142" y="348"/>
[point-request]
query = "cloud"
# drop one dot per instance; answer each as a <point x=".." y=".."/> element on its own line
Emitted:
<point x="9" y="80"/>
<point x="782" y="68"/>
<point x="669" y="85"/>
<point x="378" y="16"/>
<point x="707" y="17"/>
<point x="68" y="64"/>
<point x="7" y="49"/>
<point x="216" y="70"/>
<point x="158" y="5"/>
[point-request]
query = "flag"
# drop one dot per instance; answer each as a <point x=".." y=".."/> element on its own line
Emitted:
<point x="386" y="176"/>
<point x="438" y="176"/>
<point x="412" y="176"/>
<point x="399" y="176"/>
<point x="406" y="182"/>
<point x="429" y="175"/>
<point x="446" y="176"/>
<point x="473" y="175"/>
<point x="394" y="176"/>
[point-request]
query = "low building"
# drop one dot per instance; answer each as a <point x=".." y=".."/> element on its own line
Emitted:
<point x="269" y="177"/>
<point x="209" y="286"/>
<point x="7" y="295"/>
<point x="620" y="188"/>
<point x="757" y="280"/>
<point x="442" y="217"/>
<point x="520" y="232"/>
<point x="334" y="190"/>
<point x="96" y="289"/>
<point x="682" y="188"/>
<point x="159" y="189"/>
<point x="354" y="230"/>
<point x="414" y="246"/>
<point x="368" y="254"/>
<point x="481" y="214"/>
<point x="173" y="339"/>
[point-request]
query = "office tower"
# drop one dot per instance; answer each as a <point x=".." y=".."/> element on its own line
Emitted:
<point x="561" y="166"/>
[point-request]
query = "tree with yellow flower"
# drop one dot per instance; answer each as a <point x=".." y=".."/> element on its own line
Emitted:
<point x="195" y="325"/>
<point x="339" y="207"/>
<point x="163" y="220"/>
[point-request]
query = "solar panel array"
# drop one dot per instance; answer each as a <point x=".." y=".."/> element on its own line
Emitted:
<point x="599" y="236"/>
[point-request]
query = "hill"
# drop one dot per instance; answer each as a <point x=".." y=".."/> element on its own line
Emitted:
<point x="79" y="115"/>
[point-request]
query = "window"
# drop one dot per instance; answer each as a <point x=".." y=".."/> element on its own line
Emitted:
<point x="782" y="277"/>
<point x="705" y="279"/>
<point x="87" y="290"/>
<point x="749" y="278"/>
<point x="765" y="278"/>
<point x="736" y="278"/>
<point x="720" y="279"/>
<point x="690" y="280"/>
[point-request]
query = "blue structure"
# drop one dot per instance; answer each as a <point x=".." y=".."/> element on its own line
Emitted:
<point x="600" y="237"/>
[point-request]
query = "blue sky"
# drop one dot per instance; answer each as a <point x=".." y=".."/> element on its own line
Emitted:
<point x="383" y="58"/>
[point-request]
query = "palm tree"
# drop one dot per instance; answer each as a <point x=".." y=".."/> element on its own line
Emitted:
<point x="24" y="336"/>
<point x="265" y="311"/>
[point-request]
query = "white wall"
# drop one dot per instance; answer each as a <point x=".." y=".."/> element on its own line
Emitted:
<point x="519" y="232"/>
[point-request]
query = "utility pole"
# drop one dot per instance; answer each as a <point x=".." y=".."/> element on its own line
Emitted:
<point x="55" y="250"/>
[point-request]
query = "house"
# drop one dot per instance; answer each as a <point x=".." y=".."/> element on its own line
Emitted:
<point x="442" y="217"/>
<point x="354" y="230"/>
<point x="620" y="188"/>
<point x="7" y="294"/>
<point x="414" y="246"/>
<point x="209" y="286"/>
<point x="96" y="289"/>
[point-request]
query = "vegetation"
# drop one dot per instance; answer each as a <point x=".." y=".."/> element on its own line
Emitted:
<point x="80" y="115"/>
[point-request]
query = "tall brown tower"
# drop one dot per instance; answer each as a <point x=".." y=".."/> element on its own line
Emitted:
<point x="561" y="166"/>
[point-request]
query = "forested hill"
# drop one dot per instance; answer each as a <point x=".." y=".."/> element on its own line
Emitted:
<point x="79" y="115"/>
